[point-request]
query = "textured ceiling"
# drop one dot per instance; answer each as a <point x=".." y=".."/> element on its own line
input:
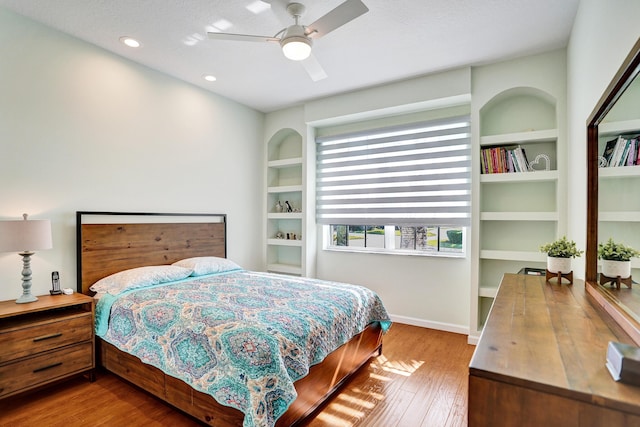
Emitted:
<point x="395" y="40"/>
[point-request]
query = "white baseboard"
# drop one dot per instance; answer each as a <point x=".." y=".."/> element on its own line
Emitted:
<point x="447" y="327"/>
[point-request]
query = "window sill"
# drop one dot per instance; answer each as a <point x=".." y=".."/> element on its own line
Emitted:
<point x="381" y="251"/>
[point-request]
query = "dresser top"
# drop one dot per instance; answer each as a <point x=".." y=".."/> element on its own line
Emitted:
<point x="552" y="338"/>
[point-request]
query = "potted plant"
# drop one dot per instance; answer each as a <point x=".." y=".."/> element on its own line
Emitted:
<point x="559" y="254"/>
<point x="616" y="259"/>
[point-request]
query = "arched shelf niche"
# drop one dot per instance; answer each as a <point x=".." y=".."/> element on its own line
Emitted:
<point x="518" y="211"/>
<point x="285" y="187"/>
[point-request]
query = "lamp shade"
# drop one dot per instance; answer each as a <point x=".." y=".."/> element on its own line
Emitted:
<point x="25" y="235"/>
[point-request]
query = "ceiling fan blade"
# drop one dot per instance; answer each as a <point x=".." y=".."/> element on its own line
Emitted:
<point x="347" y="11"/>
<point x="313" y="68"/>
<point x="241" y="37"/>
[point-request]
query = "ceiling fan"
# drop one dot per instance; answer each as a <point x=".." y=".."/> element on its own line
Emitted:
<point x="296" y="39"/>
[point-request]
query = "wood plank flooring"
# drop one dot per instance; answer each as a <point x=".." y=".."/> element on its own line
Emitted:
<point x="419" y="381"/>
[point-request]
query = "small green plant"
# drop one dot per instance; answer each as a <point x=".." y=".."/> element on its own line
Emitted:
<point x="561" y="248"/>
<point x="613" y="251"/>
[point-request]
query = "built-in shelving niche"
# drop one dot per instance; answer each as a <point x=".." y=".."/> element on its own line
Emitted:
<point x="518" y="211"/>
<point x="284" y="182"/>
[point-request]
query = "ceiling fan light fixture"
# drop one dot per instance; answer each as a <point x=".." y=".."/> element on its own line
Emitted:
<point x="296" y="48"/>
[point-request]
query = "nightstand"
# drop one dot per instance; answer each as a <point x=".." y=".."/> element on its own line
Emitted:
<point x="45" y="341"/>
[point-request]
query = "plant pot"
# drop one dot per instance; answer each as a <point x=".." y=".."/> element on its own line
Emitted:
<point x="558" y="265"/>
<point x="614" y="269"/>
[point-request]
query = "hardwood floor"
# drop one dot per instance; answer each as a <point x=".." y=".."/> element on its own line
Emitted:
<point x="419" y="381"/>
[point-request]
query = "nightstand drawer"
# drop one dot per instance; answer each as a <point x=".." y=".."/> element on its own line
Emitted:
<point x="45" y="336"/>
<point x="49" y="366"/>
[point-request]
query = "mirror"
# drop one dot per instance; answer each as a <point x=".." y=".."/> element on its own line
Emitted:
<point x="613" y="204"/>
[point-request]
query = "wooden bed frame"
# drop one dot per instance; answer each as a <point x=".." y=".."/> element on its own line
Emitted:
<point x="108" y="242"/>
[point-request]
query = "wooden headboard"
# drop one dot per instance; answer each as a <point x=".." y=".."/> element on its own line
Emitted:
<point x="108" y="242"/>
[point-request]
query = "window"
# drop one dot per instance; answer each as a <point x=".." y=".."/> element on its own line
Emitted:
<point x="404" y="188"/>
<point x="360" y="236"/>
<point x="409" y="239"/>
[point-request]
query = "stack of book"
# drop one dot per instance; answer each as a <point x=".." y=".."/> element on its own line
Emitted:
<point x="503" y="160"/>
<point x="623" y="362"/>
<point x="622" y="151"/>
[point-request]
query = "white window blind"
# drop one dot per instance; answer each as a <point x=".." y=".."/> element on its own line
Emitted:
<point x="414" y="174"/>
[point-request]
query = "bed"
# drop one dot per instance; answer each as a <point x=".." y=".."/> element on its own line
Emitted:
<point x="109" y="243"/>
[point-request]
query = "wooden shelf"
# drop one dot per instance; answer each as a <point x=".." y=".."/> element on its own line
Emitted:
<point x="518" y="216"/>
<point x="520" y="137"/>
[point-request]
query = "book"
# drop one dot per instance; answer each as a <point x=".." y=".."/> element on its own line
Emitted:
<point x="621" y="143"/>
<point x="521" y="159"/>
<point x="631" y="156"/>
<point x="483" y="161"/>
<point x="505" y="159"/>
<point x="623" y="362"/>
<point x="625" y="153"/>
<point x="608" y="150"/>
<point x="524" y="159"/>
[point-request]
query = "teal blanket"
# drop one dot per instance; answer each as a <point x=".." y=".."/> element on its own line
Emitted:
<point x="243" y="337"/>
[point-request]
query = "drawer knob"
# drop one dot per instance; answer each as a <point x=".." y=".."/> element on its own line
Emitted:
<point x="44" y="368"/>
<point x="46" y="337"/>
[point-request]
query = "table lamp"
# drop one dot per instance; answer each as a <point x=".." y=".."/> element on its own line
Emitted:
<point x="24" y="237"/>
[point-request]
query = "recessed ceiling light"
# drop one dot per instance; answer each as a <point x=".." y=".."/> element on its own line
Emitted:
<point x="209" y="78"/>
<point x="130" y="42"/>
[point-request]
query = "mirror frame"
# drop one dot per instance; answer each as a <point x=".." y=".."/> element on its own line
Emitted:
<point x="623" y="78"/>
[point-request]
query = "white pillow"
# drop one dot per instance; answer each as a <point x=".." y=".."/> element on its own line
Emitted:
<point x="207" y="265"/>
<point x="139" y="277"/>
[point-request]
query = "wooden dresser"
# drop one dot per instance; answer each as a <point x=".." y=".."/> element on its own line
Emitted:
<point x="45" y="341"/>
<point x="541" y="358"/>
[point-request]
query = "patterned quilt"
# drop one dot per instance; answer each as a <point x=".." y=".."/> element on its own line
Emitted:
<point x="243" y="337"/>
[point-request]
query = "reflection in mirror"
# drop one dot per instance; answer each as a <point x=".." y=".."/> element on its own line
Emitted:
<point x="613" y="190"/>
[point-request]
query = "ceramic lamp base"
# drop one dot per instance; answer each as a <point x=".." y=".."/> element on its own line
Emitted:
<point x="26" y="296"/>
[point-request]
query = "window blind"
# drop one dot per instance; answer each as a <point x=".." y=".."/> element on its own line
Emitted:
<point x="417" y="174"/>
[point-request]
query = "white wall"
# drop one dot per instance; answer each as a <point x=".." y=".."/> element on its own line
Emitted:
<point x="83" y="129"/>
<point x="602" y="36"/>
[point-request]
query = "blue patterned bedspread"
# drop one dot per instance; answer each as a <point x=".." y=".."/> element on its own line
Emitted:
<point x="243" y="337"/>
